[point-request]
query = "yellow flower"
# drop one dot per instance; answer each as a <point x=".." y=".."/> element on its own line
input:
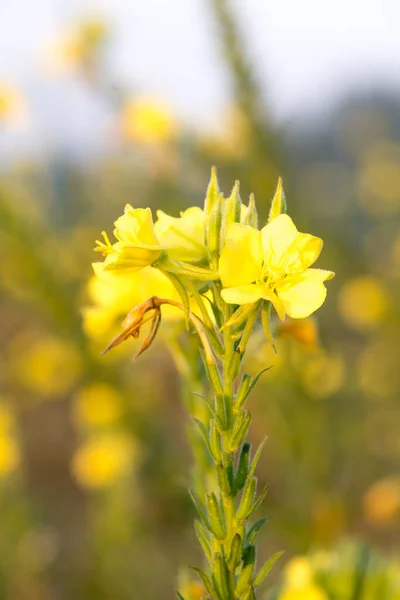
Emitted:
<point x="96" y="405"/>
<point x="182" y="237"/>
<point x="364" y="302"/>
<point x="147" y="121"/>
<point x="103" y="460"/>
<point x="273" y="264"/>
<point x="137" y="244"/>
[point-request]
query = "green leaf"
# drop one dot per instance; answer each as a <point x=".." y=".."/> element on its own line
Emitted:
<point x="254" y="530"/>
<point x="203" y="536"/>
<point x="260" y="500"/>
<point x="215" y="441"/>
<point x="212" y="373"/>
<point x="257" y="457"/>
<point x="200" y="510"/>
<point x="244" y="393"/>
<point x="180" y="596"/>
<point x="266" y="568"/>
<point x="204" y="433"/>
<point x="206" y="581"/>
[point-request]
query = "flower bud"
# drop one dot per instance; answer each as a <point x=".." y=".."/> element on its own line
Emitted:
<point x="215" y="517"/>
<point x="246" y="503"/>
<point x="243" y="467"/>
<point x="213" y="230"/>
<point x="240" y="429"/>
<point x="212" y="192"/>
<point x="233" y="206"/>
<point x="278" y="205"/>
<point x="251" y="216"/>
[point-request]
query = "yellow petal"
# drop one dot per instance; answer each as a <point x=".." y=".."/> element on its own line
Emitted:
<point x="241" y="258"/>
<point x="301" y="295"/>
<point x="245" y="294"/>
<point x="183" y="237"/>
<point x="136" y="227"/>
<point x="277" y="238"/>
<point x="318" y="274"/>
<point x="303" y="252"/>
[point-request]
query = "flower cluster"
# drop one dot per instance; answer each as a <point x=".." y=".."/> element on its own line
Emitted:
<point x="220" y="245"/>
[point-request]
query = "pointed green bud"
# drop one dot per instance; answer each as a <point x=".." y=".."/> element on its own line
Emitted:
<point x="221" y="576"/>
<point x="213" y="230"/>
<point x="212" y="192"/>
<point x="243" y="391"/>
<point x="223" y="480"/>
<point x="247" y="500"/>
<point x="243" y="467"/>
<point x="233" y="206"/>
<point x="234" y="364"/>
<point x="235" y="553"/>
<point x="223" y="411"/>
<point x="240" y="429"/>
<point x="278" y="205"/>
<point x="215" y="441"/>
<point x="243" y="583"/>
<point x="251" y="215"/>
<point x="216" y="517"/>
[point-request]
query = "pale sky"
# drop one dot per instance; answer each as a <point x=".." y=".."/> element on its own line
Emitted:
<point x="307" y="53"/>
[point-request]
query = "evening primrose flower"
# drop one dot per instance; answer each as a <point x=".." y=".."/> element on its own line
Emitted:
<point x="183" y="237"/>
<point x="137" y="245"/>
<point x="273" y="264"/>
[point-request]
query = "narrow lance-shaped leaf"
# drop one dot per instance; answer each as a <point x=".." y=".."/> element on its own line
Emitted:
<point x="240" y="430"/>
<point x="204" y="539"/>
<point x="207" y="582"/>
<point x="204" y="434"/>
<point x="254" y="530"/>
<point x="257" y="457"/>
<point x="266" y="568"/>
<point x="200" y="510"/>
<point x="259" y="500"/>
<point x="215" y="441"/>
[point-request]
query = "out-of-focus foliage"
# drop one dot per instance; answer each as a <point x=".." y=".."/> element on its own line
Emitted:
<point x="93" y="496"/>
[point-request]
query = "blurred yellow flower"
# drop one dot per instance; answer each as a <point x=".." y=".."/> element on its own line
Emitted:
<point x="298" y="582"/>
<point x="77" y="46"/>
<point x="9" y="450"/>
<point x="104" y="459"/>
<point x="46" y="366"/>
<point x="137" y="245"/>
<point x="379" y="179"/>
<point x="182" y="237"/>
<point x="363" y="302"/>
<point x="382" y="501"/>
<point x="9" y="454"/>
<point x="12" y="105"/>
<point x="273" y="264"/>
<point x="377" y="368"/>
<point x="147" y="121"/>
<point x="96" y="404"/>
<point x="323" y="374"/>
<point x="305" y="332"/>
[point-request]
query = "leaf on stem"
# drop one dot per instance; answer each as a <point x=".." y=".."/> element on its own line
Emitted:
<point x="266" y="568"/>
<point x="257" y="457"/>
<point x="206" y="581"/>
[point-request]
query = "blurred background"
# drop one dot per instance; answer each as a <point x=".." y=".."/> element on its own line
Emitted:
<point x="108" y="102"/>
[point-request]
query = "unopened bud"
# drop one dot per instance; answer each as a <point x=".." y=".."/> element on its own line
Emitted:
<point x="278" y="205"/>
<point x="251" y="216"/>
<point x="233" y="206"/>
